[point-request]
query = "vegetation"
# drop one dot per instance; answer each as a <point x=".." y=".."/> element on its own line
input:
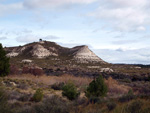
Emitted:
<point x="58" y="86"/>
<point x="38" y="96"/>
<point x="111" y="106"/>
<point x="97" y="88"/>
<point x="134" y="107"/>
<point x="4" y="106"/>
<point x="31" y="89"/>
<point x="4" y="62"/>
<point x="127" y="97"/>
<point x="70" y="91"/>
<point x="120" y="98"/>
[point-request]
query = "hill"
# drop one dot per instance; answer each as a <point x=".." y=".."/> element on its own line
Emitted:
<point x="53" y="58"/>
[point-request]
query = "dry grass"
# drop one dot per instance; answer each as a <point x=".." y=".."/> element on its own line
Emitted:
<point x="116" y="88"/>
<point x="50" y="80"/>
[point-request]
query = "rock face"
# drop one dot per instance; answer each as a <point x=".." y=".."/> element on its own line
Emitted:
<point x="106" y="70"/>
<point x="84" y="55"/>
<point x="12" y="54"/>
<point x="45" y="49"/>
<point x="41" y="52"/>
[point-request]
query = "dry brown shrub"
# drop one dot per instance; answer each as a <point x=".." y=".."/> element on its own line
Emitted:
<point x="115" y="88"/>
<point x="32" y="70"/>
<point x="50" y="80"/>
<point x="14" y="70"/>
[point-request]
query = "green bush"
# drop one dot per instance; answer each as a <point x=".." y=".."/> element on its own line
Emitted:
<point x="4" y="62"/>
<point x="70" y="91"/>
<point x="97" y="88"/>
<point x="38" y="96"/>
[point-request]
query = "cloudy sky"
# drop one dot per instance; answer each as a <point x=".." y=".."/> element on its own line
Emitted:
<point x="118" y="31"/>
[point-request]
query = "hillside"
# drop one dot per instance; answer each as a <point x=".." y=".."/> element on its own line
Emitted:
<point x="51" y="56"/>
<point x="46" y="49"/>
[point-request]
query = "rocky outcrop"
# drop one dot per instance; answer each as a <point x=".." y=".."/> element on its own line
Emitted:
<point x="27" y="61"/>
<point x="41" y="52"/>
<point x="12" y="54"/>
<point x="106" y="70"/>
<point x="84" y="55"/>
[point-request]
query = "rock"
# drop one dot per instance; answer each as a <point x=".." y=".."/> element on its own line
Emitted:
<point x="84" y="55"/>
<point x="12" y="83"/>
<point x="27" y="61"/>
<point x="41" y="52"/>
<point x="93" y="67"/>
<point x="137" y="67"/>
<point x="106" y="70"/>
<point x="3" y="83"/>
<point x="12" y="54"/>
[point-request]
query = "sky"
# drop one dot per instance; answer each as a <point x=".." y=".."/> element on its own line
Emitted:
<point x="118" y="31"/>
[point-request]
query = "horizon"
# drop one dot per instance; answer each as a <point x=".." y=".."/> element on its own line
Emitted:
<point x="117" y="31"/>
<point x="76" y="46"/>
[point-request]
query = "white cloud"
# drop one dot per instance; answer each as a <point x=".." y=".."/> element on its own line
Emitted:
<point x="10" y="8"/>
<point x="124" y="42"/>
<point x="141" y="28"/>
<point x="3" y="38"/>
<point x="53" y="3"/>
<point x="127" y="3"/>
<point x="124" y="15"/>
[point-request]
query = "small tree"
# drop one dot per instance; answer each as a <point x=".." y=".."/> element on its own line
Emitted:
<point x="97" y="88"/>
<point x="70" y="91"/>
<point x="40" y="40"/>
<point x="4" y="62"/>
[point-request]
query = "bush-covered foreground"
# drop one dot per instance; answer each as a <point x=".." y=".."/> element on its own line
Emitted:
<point x="24" y="94"/>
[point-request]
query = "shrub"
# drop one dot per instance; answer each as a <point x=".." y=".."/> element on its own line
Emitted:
<point x="114" y="88"/>
<point x="32" y="70"/>
<point x="14" y="70"/>
<point x="4" y="62"/>
<point x="70" y="91"/>
<point x="80" y="101"/>
<point x="94" y="100"/>
<point x="4" y="106"/>
<point x="52" y="104"/>
<point x="24" y="97"/>
<point x="38" y="96"/>
<point x="36" y="71"/>
<point x="134" y="107"/>
<point x="127" y="97"/>
<point x="96" y="88"/>
<point x="146" y="110"/>
<point x="57" y="86"/>
<point x="111" y="105"/>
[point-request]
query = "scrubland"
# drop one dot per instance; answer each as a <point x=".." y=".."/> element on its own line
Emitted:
<point x="17" y="95"/>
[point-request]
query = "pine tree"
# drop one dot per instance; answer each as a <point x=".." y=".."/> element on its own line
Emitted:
<point x="97" y="88"/>
<point x="4" y="62"/>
